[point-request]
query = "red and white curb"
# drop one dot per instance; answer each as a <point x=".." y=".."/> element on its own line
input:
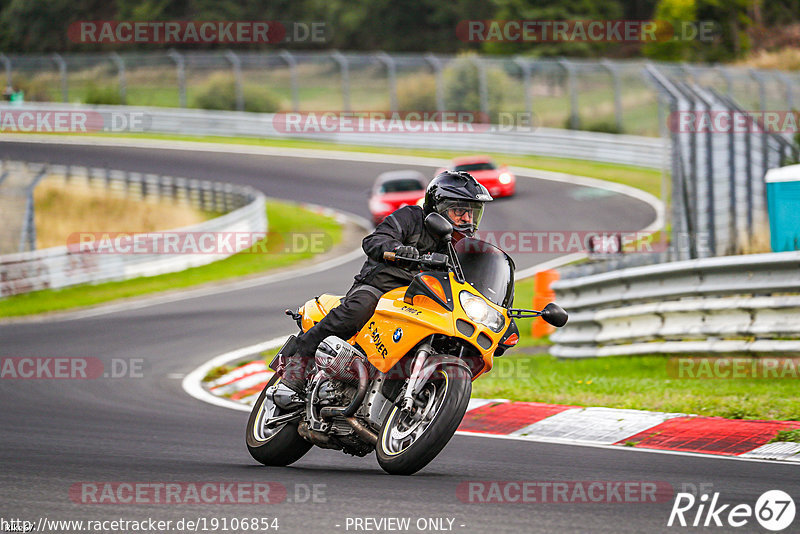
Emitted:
<point x="675" y="433"/>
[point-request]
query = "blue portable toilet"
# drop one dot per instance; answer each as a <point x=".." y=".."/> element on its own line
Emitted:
<point x="783" y="204"/>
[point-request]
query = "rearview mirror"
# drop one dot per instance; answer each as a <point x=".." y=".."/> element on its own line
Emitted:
<point x="555" y="315"/>
<point x="439" y="226"/>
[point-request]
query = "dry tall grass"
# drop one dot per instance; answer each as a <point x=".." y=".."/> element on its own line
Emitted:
<point x="62" y="209"/>
<point x="783" y="59"/>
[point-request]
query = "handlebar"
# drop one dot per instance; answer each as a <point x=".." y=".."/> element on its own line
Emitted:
<point x="431" y="259"/>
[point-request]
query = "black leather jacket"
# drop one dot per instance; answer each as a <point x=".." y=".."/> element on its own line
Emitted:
<point x="405" y="226"/>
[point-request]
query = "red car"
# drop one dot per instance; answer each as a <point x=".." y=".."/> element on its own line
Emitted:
<point x="498" y="180"/>
<point x="393" y="190"/>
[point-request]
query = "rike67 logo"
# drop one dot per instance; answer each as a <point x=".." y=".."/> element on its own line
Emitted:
<point x="774" y="510"/>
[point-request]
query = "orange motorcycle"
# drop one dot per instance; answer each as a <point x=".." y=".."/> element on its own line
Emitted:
<point x="401" y="385"/>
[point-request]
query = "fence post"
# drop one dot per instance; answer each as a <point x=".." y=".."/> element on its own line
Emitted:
<point x="762" y="106"/>
<point x="728" y="79"/>
<point x="663" y="130"/>
<point x="436" y="65"/>
<point x="292" y="63"/>
<point x="612" y="69"/>
<point x="62" y="70"/>
<point x="236" y="63"/>
<point x="120" y="63"/>
<point x="391" y="73"/>
<point x="339" y="58"/>
<point x="7" y="65"/>
<point x="787" y="83"/>
<point x="525" y="67"/>
<point x="28" y="236"/>
<point x="574" y="117"/>
<point x="483" y="89"/>
<point x="180" y="66"/>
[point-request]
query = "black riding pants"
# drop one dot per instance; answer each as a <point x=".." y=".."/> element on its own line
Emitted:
<point x="343" y="321"/>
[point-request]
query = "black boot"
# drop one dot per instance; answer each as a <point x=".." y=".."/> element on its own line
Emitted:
<point x="299" y="364"/>
<point x="295" y="373"/>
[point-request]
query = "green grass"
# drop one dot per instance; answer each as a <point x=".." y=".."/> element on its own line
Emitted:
<point x="787" y="435"/>
<point x="283" y="217"/>
<point x="641" y="383"/>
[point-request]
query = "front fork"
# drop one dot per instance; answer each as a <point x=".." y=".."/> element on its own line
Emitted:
<point x="417" y="378"/>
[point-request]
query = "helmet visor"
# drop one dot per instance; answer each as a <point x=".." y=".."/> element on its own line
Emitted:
<point x="463" y="214"/>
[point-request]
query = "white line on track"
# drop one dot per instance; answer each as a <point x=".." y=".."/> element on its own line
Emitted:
<point x="192" y="385"/>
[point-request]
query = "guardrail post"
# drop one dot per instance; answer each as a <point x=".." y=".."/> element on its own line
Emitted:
<point x="123" y="88"/>
<point x="7" y="65"/>
<point x="62" y="70"/>
<point x="180" y="66"/>
<point x="574" y="117"/>
<point x="236" y="64"/>
<point x="483" y="89"/>
<point x="436" y="65"/>
<point x="612" y="69"/>
<point x="391" y="74"/>
<point x="292" y="63"/>
<point x="339" y="58"/>
<point x="525" y="66"/>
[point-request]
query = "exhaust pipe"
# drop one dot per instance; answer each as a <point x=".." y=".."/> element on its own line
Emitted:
<point x="362" y="431"/>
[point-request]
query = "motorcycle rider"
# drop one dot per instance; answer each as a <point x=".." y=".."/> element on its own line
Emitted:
<point x="455" y="195"/>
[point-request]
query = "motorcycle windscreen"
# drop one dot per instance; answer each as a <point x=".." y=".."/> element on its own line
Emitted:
<point x="488" y="269"/>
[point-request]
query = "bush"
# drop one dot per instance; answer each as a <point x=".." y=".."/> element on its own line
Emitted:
<point x="603" y="127"/>
<point x="673" y="12"/>
<point x="219" y="92"/>
<point x="417" y="93"/>
<point x="105" y="95"/>
<point x="461" y="86"/>
<point x="36" y="89"/>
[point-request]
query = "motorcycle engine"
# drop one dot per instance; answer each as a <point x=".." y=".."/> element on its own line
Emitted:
<point x="334" y="357"/>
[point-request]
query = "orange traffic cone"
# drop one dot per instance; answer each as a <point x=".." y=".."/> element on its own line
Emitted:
<point x="542" y="297"/>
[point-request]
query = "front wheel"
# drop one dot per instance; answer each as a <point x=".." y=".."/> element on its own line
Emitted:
<point x="410" y="440"/>
<point x="277" y="446"/>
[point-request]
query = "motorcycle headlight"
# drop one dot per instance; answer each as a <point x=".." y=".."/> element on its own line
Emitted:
<point x="479" y="311"/>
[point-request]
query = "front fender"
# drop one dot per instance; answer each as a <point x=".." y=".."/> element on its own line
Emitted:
<point x="434" y="362"/>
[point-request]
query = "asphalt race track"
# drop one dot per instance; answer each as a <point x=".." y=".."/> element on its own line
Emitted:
<point x="57" y="434"/>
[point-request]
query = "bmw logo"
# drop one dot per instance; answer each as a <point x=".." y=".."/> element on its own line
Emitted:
<point x="397" y="335"/>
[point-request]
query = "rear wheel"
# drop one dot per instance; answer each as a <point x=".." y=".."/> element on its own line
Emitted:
<point x="410" y="440"/>
<point x="277" y="446"/>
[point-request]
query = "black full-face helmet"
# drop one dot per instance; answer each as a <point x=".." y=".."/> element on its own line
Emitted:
<point x="455" y="194"/>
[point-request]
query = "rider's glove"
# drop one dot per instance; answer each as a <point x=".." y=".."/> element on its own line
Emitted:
<point x="405" y="252"/>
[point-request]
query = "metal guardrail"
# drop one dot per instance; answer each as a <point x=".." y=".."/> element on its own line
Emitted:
<point x="610" y="148"/>
<point x="728" y="304"/>
<point x="64" y="266"/>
